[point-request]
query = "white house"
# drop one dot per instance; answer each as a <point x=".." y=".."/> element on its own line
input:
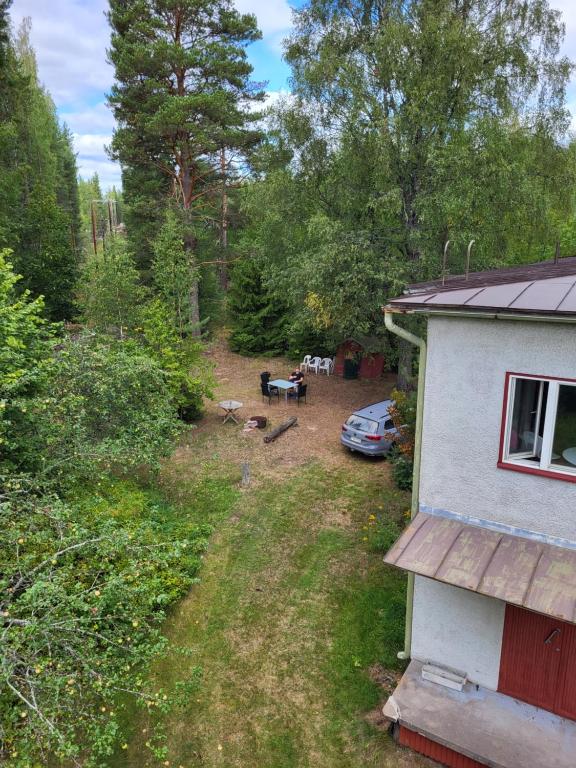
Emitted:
<point x="491" y="632"/>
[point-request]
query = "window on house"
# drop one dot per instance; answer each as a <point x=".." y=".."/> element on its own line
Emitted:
<point x="541" y="424"/>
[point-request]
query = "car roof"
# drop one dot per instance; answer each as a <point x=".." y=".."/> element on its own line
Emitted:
<point x="375" y="411"/>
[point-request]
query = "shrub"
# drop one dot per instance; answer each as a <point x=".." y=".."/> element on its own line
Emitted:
<point x="83" y="595"/>
<point x="402" y="469"/>
<point x="187" y="373"/>
<point x="106" y="402"/>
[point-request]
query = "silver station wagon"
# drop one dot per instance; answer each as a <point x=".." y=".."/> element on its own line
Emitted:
<point x="364" y="431"/>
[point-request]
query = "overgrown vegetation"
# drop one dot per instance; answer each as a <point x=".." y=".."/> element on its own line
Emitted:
<point x="294" y="609"/>
<point x="409" y="125"/>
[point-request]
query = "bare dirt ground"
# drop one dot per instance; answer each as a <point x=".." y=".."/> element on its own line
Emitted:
<point x="330" y="400"/>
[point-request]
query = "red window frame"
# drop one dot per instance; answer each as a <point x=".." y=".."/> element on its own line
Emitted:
<point x="502" y="463"/>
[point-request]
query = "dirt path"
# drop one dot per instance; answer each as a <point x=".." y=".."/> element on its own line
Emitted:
<point x="285" y="642"/>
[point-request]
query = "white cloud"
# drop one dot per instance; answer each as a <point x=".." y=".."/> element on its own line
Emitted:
<point x="274" y="16"/>
<point x="70" y="38"/>
<point x="89" y="119"/>
<point x="91" y="145"/>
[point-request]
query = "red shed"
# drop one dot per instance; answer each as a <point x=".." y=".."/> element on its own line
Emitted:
<point x="362" y="350"/>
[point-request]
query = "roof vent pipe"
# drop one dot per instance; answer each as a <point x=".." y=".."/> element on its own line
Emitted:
<point x="444" y="261"/>
<point x="470" y="244"/>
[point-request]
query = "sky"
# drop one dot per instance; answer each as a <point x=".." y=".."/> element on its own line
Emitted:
<point x="70" y="38"/>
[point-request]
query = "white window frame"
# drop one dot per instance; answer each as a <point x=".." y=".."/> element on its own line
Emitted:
<point x="526" y="459"/>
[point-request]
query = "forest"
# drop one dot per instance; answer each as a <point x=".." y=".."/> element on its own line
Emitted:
<point x="284" y="227"/>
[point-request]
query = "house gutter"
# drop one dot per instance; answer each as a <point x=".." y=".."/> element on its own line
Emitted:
<point x="535" y="318"/>
<point x="421" y="344"/>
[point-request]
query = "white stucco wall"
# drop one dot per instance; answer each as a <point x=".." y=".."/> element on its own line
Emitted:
<point x="467" y="363"/>
<point x="458" y="629"/>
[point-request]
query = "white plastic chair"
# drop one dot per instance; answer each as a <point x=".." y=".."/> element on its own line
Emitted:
<point x="305" y="363"/>
<point x="326" y="365"/>
<point x="314" y="364"/>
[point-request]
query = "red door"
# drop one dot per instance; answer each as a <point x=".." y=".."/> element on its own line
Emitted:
<point x="566" y="699"/>
<point x="538" y="661"/>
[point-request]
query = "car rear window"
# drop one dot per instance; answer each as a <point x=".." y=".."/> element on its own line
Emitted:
<point x="362" y="424"/>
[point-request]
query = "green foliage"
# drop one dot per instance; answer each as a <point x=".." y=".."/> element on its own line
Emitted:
<point x="45" y="255"/>
<point x="174" y="271"/>
<point x="384" y="532"/>
<point x="182" y="97"/>
<point x="187" y="373"/>
<point x="110" y="294"/>
<point x="84" y="587"/>
<point x="108" y="402"/>
<point x="402" y="470"/>
<point x="258" y="314"/>
<point x="463" y="152"/>
<point x="39" y="207"/>
<point x="25" y="349"/>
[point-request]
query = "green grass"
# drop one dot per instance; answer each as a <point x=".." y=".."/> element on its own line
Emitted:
<point x="293" y="608"/>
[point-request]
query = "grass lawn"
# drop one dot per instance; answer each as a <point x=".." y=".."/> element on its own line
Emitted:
<point x="286" y="648"/>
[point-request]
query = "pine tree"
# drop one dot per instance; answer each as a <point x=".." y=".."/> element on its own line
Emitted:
<point x="182" y="94"/>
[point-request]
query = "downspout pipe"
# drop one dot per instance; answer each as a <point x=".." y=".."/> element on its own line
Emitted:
<point x="421" y="344"/>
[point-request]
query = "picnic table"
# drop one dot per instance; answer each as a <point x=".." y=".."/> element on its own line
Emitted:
<point x="283" y="384"/>
<point x="230" y="407"/>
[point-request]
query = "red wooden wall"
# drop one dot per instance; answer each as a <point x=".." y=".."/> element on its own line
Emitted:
<point x="436" y="751"/>
<point x="371" y="365"/>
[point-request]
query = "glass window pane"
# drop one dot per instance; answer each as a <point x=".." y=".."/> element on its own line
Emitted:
<point x="564" y="443"/>
<point x="526" y="427"/>
<point x="362" y="424"/>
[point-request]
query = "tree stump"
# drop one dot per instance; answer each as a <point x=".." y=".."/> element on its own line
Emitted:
<point x="260" y="420"/>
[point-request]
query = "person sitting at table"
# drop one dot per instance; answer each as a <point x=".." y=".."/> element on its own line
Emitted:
<point x="296" y="378"/>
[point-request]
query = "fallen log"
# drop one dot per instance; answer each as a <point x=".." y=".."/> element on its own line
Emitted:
<point x="282" y="428"/>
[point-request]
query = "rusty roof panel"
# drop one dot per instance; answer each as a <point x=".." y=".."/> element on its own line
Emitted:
<point x="537" y="576"/>
<point x="396" y="552"/>
<point x="509" y="574"/>
<point x="427" y="541"/>
<point x="465" y="563"/>
<point x="553" y="589"/>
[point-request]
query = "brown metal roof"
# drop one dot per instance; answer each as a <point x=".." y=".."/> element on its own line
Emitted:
<point x="547" y="288"/>
<point x="534" y="575"/>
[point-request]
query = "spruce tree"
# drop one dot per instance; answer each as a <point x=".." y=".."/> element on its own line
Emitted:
<point x="182" y="94"/>
<point x="258" y="315"/>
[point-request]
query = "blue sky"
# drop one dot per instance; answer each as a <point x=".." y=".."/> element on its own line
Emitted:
<point x="71" y="36"/>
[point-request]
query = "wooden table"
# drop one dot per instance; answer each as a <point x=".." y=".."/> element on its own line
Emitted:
<point x="230" y="406"/>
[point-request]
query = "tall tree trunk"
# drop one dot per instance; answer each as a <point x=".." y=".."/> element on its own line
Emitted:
<point x="223" y="266"/>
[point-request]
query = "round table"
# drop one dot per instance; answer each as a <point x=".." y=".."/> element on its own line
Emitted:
<point x="570" y="455"/>
<point x="230" y="406"/>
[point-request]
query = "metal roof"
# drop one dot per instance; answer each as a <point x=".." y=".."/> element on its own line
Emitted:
<point x="376" y="410"/>
<point x="548" y="288"/>
<point x="537" y="576"/>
